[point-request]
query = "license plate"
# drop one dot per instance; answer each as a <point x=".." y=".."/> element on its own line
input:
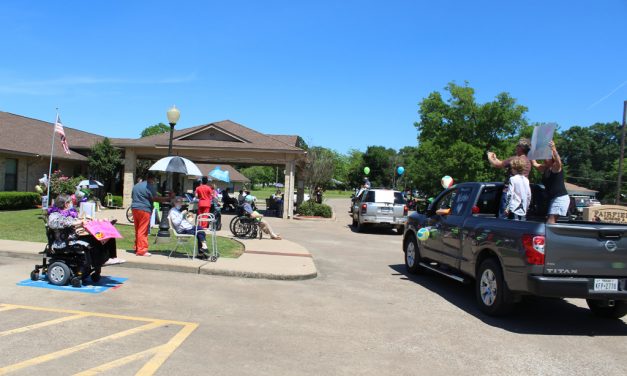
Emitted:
<point x="386" y="210"/>
<point x="606" y="285"/>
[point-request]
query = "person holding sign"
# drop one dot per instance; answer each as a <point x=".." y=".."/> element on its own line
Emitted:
<point x="553" y="180"/>
<point x="522" y="149"/>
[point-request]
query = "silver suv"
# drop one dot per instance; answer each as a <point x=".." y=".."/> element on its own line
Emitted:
<point x="380" y="207"/>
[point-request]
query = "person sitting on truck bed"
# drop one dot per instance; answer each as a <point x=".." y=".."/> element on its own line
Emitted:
<point x="518" y="194"/>
<point x="553" y="180"/>
<point x="522" y="149"/>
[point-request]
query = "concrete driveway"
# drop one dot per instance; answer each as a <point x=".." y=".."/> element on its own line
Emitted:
<point x="361" y="315"/>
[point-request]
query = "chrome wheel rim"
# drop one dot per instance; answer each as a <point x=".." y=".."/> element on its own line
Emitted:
<point x="410" y="253"/>
<point x="488" y="287"/>
<point x="57" y="274"/>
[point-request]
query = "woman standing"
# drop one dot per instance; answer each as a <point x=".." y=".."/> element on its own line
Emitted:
<point x="204" y="194"/>
<point x="553" y="180"/>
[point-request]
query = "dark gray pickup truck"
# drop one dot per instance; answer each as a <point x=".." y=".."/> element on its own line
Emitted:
<point x="507" y="259"/>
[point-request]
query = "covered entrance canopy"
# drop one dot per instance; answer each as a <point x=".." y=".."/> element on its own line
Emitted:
<point x="224" y="142"/>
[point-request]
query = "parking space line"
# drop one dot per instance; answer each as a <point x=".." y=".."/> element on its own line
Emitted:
<point x="162" y="355"/>
<point x="70" y="350"/>
<point x="41" y="325"/>
<point x="118" y="362"/>
<point x="8" y="308"/>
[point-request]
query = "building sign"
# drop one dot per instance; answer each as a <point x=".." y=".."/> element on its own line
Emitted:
<point x="605" y="213"/>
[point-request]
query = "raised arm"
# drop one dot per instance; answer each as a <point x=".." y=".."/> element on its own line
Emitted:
<point x="557" y="161"/>
<point x="494" y="161"/>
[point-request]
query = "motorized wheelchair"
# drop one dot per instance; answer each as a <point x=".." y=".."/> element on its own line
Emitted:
<point x="68" y="258"/>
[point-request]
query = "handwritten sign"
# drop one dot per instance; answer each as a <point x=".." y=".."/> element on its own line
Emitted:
<point x="542" y="135"/>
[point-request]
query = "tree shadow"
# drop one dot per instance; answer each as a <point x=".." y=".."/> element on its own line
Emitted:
<point x="534" y="315"/>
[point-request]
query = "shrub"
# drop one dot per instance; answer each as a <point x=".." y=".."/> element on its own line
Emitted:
<point x="60" y="183"/>
<point x="117" y="201"/>
<point x="311" y="208"/>
<point x="19" y="200"/>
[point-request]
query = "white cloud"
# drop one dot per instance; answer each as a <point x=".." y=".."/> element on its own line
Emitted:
<point x="59" y="85"/>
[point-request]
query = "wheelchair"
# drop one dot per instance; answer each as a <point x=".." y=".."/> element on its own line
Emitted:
<point x="73" y="262"/>
<point x="243" y="226"/>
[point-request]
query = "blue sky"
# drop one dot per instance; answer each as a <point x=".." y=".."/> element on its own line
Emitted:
<point x="341" y="74"/>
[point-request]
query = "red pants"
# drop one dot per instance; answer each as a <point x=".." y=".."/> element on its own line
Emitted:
<point x="202" y="210"/>
<point x="141" y="220"/>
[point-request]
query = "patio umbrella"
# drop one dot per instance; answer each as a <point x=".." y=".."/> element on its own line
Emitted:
<point x="89" y="183"/>
<point x="176" y="164"/>
<point x="220" y="174"/>
<point x="278" y="185"/>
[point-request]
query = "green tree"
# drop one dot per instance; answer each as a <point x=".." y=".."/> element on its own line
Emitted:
<point x="155" y="129"/>
<point x="455" y="134"/>
<point x="321" y="165"/>
<point x="382" y="162"/>
<point x="259" y="174"/>
<point x="104" y="162"/>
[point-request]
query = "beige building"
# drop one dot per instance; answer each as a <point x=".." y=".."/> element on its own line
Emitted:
<point x="25" y="152"/>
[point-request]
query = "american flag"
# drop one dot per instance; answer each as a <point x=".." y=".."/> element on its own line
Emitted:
<point x="58" y="128"/>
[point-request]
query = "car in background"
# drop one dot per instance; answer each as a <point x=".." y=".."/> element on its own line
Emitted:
<point x="381" y="208"/>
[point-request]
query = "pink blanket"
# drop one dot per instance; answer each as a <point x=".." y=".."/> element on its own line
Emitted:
<point x="102" y="230"/>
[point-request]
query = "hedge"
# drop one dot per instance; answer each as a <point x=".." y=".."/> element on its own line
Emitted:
<point x="312" y="208"/>
<point x="117" y="201"/>
<point x="19" y="200"/>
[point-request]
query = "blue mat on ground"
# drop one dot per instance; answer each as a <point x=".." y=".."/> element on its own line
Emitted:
<point x="88" y="287"/>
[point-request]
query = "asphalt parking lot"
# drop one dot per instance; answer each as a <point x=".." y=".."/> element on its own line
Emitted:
<point x="363" y="314"/>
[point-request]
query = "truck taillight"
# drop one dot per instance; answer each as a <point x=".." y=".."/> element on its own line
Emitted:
<point x="534" y="248"/>
<point x="364" y="207"/>
<point x="405" y="210"/>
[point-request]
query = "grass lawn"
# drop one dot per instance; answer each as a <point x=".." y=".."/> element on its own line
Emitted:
<point x="27" y="225"/>
<point x="266" y="192"/>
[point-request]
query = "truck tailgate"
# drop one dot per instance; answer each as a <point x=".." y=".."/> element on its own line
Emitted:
<point x="586" y="250"/>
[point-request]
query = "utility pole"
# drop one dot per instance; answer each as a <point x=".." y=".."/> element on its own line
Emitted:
<point x="622" y="154"/>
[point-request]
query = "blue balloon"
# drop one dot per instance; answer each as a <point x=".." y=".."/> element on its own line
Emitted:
<point x="423" y="234"/>
<point x="400" y="170"/>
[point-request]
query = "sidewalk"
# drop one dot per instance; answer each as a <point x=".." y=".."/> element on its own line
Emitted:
<point x="265" y="258"/>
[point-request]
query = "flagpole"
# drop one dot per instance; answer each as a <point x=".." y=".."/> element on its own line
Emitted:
<point x="50" y="167"/>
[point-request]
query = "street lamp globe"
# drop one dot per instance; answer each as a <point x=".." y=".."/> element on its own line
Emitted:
<point x="173" y="115"/>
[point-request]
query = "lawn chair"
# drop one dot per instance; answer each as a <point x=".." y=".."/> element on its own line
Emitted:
<point x="210" y="231"/>
<point x="181" y="240"/>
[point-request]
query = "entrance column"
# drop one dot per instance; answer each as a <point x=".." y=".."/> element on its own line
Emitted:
<point x="288" y="205"/>
<point x="130" y="164"/>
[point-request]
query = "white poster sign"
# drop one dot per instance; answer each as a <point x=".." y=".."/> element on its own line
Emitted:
<point x="542" y="135"/>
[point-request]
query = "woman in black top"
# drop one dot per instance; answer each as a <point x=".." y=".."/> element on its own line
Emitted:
<point x="553" y="180"/>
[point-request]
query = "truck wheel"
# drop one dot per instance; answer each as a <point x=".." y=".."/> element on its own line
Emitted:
<point x="601" y="309"/>
<point x="493" y="296"/>
<point x="412" y="256"/>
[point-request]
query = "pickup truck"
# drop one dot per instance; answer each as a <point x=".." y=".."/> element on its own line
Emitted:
<point x="460" y="236"/>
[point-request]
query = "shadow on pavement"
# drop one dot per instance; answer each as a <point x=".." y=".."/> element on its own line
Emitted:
<point x="534" y="315"/>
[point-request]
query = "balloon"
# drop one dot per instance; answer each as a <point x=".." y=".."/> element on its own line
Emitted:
<point x="423" y="234"/>
<point x="39" y="189"/>
<point x="446" y="182"/>
<point x="366" y="170"/>
<point x="430" y="199"/>
<point x="400" y="170"/>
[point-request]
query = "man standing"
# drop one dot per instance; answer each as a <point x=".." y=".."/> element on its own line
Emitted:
<point x="522" y="149"/>
<point x="143" y="195"/>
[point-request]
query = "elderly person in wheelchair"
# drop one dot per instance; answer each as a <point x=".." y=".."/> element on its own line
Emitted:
<point x="265" y="226"/>
<point x="182" y="225"/>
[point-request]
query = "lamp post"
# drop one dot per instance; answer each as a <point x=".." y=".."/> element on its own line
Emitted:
<point x="164" y="227"/>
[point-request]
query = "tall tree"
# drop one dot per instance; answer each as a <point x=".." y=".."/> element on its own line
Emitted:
<point x="259" y="174"/>
<point x="382" y="162"/>
<point x="155" y="129"/>
<point x="104" y="162"/>
<point x="455" y="134"/>
<point x="321" y="164"/>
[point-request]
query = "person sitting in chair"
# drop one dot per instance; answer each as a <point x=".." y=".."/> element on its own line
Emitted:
<point x="265" y="226"/>
<point x="63" y="216"/>
<point x="183" y="226"/>
<point x="228" y="203"/>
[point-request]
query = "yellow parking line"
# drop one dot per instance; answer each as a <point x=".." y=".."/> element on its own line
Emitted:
<point x="160" y="357"/>
<point x="6" y="308"/>
<point x="106" y="315"/>
<point x="82" y="346"/>
<point x="41" y="325"/>
<point x="118" y="362"/>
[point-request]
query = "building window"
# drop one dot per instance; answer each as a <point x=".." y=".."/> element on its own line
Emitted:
<point x="10" y="175"/>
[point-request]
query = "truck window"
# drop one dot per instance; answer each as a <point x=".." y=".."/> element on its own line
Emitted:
<point x="369" y="196"/>
<point x="398" y="198"/>
<point x="488" y="201"/>
<point x="461" y="200"/>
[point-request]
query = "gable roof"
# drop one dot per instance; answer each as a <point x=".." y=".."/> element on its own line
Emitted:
<point x="27" y="136"/>
<point x="573" y="189"/>
<point x="229" y="135"/>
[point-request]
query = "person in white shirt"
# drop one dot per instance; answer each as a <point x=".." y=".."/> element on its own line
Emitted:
<point x="518" y="193"/>
<point x="183" y="226"/>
